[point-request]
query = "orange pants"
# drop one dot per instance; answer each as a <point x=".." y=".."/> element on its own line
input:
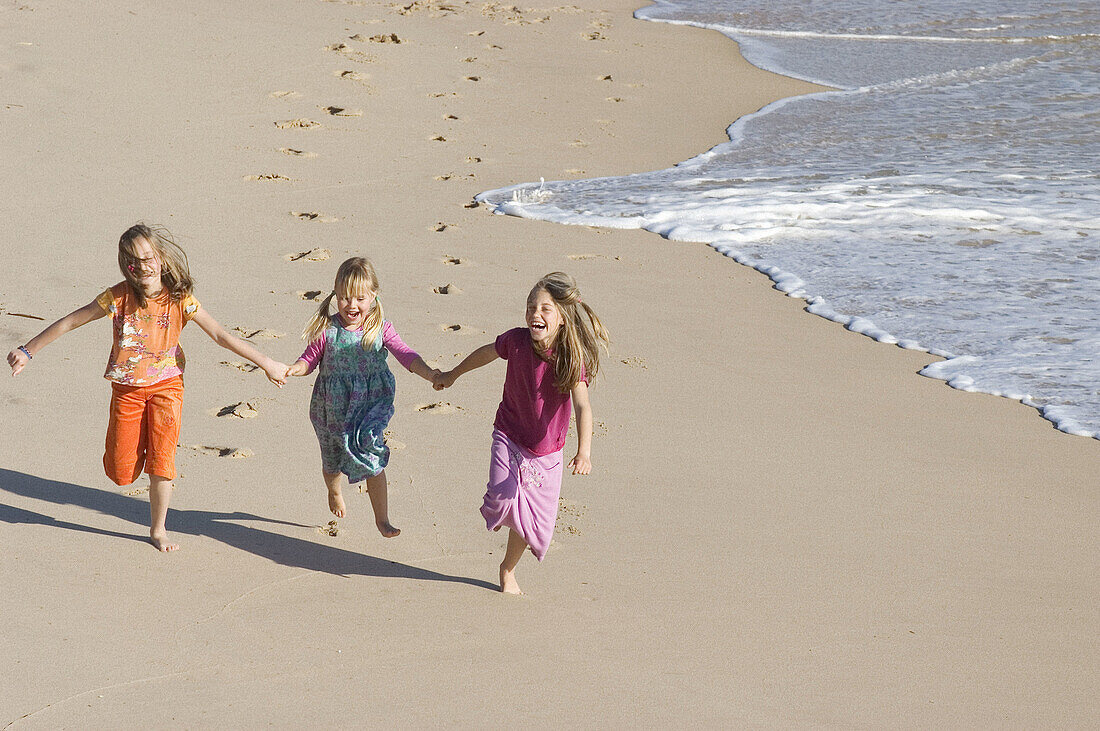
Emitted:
<point x="143" y="430"/>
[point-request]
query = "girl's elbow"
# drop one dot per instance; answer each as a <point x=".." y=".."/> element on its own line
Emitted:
<point x="227" y="341"/>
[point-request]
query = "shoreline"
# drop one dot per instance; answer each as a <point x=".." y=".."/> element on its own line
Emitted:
<point x="527" y="197"/>
<point x="782" y="527"/>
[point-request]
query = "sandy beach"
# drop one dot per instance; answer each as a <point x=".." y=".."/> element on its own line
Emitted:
<point x="785" y="525"/>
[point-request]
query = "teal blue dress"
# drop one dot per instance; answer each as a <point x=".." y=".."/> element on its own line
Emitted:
<point x="352" y="404"/>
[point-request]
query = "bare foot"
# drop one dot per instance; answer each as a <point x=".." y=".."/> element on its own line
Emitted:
<point x="387" y="530"/>
<point x="161" y="543"/>
<point x="508" y="583"/>
<point x="336" y="504"/>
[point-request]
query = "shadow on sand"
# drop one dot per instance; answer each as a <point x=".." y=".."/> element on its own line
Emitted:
<point x="282" y="549"/>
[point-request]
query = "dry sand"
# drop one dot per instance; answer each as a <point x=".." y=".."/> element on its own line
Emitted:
<point x="785" y="525"/>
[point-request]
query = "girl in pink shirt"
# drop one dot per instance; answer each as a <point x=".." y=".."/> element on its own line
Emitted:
<point x="549" y="364"/>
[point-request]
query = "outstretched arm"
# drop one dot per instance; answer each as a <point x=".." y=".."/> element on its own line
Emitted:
<point x="276" y="371"/>
<point x="484" y="355"/>
<point x="422" y="369"/>
<point x="18" y="360"/>
<point x="581" y="464"/>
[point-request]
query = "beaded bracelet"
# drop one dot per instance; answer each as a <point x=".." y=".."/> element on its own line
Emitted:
<point x="26" y="352"/>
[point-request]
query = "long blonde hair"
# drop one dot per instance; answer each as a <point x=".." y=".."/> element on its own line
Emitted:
<point x="354" y="277"/>
<point x="577" y="345"/>
<point x="175" y="275"/>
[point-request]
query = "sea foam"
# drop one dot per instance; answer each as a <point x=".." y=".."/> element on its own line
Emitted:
<point x="943" y="198"/>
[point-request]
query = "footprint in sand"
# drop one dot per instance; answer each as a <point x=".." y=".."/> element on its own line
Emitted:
<point x="350" y="53"/>
<point x="606" y="77"/>
<point x="285" y="94"/>
<point x="615" y="99"/>
<point x="312" y="295"/>
<point x="380" y="38"/>
<point x="451" y="260"/>
<point x="352" y="76"/>
<point x="261" y="334"/>
<point x="313" y="216"/>
<point x="391" y="442"/>
<point x="570" y="515"/>
<point x="333" y="528"/>
<point x="471" y="204"/>
<point x="342" y="112"/>
<point x="231" y="452"/>
<point x="635" y="362"/>
<point x="268" y="176"/>
<point x="510" y="14"/>
<point x="311" y="255"/>
<point x="440" y="94"/>
<point x="573" y="171"/>
<point x="450" y="328"/>
<point x="296" y="153"/>
<point x="586" y="257"/>
<point x="440" y="227"/>
<point x="296" y="124"/>
<point x="245" y="367"/>
<point x="138" y="490"/>
<point x="434" y="8"/>
<point x="439" y="407"/>
<point x="473" y="78"/>
<point x="447" y="289"/>
<point x="450" y="117"/>
<point x="242" y="410"/>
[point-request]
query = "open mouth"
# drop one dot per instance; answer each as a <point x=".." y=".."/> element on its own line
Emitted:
<point x="537" y="326"/>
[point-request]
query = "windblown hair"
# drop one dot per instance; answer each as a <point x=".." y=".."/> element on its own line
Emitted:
<point x="355" y="277"/>
<point x="577" y="345"/>
<point x="175" y="276"/>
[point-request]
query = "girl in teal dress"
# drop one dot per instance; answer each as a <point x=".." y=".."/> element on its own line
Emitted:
<point x="353" y="395"/>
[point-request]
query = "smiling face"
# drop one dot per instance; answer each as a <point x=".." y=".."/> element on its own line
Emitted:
<point x="544" y="319"/>
<point x="146" y="267"/>
<point x="353" y="308"/>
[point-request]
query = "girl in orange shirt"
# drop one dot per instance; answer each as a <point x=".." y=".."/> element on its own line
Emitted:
<point x="148" y="309"/>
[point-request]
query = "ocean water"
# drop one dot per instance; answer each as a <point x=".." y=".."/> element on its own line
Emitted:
<point x="946" y="197"/>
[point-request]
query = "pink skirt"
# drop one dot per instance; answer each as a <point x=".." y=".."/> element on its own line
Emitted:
<point x="522" y="493"/>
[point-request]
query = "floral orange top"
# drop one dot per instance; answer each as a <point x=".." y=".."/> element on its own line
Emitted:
<point x="146" y="340"/>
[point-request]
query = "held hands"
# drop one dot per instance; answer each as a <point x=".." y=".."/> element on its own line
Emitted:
<point x="298" y="368"/>
<point x="444" y="380"/>
<point x="277" y="372"/>
<point x="581" y="464"/>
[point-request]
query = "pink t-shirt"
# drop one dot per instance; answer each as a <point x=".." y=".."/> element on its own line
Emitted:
<point x="533" y="412"/>
<point x="391" y="341"/>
